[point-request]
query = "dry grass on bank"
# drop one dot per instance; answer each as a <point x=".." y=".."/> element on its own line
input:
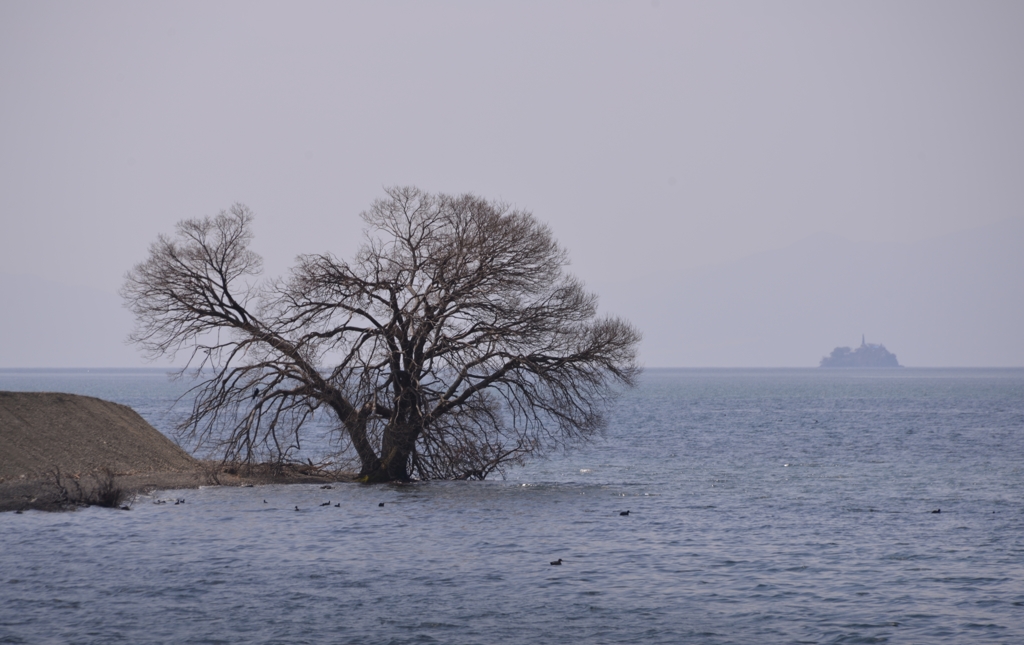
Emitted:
<point x="56" y="490"/>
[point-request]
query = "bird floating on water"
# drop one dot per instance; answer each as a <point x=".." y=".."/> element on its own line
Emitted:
<point x="557" y="563"/>
<point x="327" y="503"/>
<point x="381" y="504"/>
<point x="624" y="513"/>
<point x="938" y="510"/>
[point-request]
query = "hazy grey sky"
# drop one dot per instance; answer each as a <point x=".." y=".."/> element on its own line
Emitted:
<point x="656" y="138"/>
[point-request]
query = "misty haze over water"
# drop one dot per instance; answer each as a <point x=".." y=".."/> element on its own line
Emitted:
<point x="942" y="302"/>
<point x="751" y="185"/>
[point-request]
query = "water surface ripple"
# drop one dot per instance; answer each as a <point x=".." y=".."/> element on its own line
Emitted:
<point x="766" y="506"/>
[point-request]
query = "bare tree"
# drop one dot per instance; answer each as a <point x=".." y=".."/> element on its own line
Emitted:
<point x="455" y="343"/>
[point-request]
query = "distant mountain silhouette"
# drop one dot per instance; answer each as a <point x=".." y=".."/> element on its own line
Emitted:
<point x="864" y="356"/>
<point x="783" y="308"/>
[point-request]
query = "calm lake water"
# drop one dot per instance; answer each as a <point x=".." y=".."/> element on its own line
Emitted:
<point x="766" y="506"/>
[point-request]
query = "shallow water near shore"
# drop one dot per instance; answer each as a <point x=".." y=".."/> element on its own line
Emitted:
<point x="771" y="506"/>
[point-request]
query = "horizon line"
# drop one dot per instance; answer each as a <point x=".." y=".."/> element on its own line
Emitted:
<point x="661" y="367"/>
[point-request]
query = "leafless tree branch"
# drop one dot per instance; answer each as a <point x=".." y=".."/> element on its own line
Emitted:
<point x="454" y="344"/>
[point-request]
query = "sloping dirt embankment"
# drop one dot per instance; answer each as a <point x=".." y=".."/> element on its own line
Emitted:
<point x="50" y="440"/>
<point x="43" y="433"/>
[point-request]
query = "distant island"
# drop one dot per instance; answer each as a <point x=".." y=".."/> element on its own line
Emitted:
<point x="867" y="355"/>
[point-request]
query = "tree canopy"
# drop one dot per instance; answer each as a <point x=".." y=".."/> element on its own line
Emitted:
<point x="453" y="344"/>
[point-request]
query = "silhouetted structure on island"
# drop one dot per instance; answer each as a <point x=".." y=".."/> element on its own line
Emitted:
<point x="866" y="355"/>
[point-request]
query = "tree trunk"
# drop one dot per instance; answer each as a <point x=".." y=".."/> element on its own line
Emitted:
<point x="355" y="424"/>
<point x="398" y="444"/>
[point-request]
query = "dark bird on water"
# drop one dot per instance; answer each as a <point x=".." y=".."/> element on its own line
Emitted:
<point x="296" y="508"/>
<point x="264" y="501"/>
<point x="557" y="563"/>
<point x="338" y="505"/>
<point x="938" y="510"/>
<point x="327" y="503"/>
<point x="381" y="504"/>
<point x="624" y="513"/>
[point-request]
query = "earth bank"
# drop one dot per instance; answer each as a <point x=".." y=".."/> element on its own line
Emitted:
<point x="56" y="447"/>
